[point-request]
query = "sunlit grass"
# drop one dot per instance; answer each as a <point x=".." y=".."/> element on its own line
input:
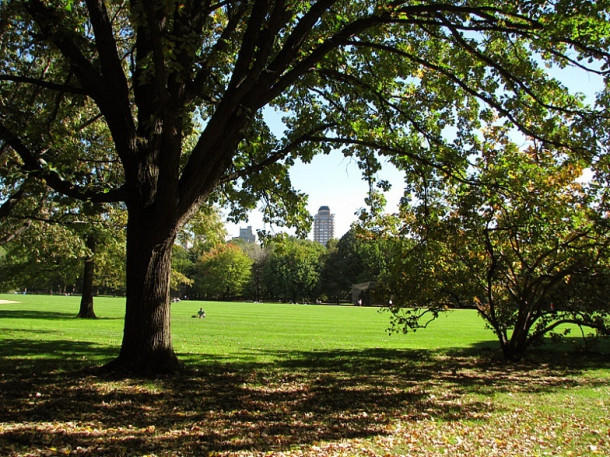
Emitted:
<point x="239" y="331"/>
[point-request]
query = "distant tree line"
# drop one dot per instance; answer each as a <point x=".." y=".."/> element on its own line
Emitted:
<point x="50" y="258"/>
<point x="283" y="268"/>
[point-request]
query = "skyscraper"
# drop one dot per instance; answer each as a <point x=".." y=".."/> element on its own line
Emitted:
<point x="323" y="225"/>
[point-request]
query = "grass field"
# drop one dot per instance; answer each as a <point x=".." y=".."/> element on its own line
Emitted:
<point x="293" y="380"/>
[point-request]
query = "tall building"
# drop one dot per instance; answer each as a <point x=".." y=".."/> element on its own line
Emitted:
<point x="323" y="225"/>
<point x="247" y="235"/>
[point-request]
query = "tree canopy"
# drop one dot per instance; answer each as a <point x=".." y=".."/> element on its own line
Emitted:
<point x="179" y="90"/>
<point x="222" y="273"/>
<point x="528" y="246"/>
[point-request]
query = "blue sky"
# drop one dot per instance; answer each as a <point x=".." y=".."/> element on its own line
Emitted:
<point x="334" y="181"/>
<point x="331" y="180"/>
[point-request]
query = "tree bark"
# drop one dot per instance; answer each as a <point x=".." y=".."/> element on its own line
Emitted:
<point x="516" y="346"/>
<point x="147" y="343"/>
<point x="86" y="303"/>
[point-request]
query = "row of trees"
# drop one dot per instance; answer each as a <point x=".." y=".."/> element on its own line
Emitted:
<point x="53" y="257"/>
<point x="284" y="269"/>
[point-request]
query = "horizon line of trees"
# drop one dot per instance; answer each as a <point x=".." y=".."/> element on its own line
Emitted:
<point x="51" y="258"/>
<point x="283" y="268"/>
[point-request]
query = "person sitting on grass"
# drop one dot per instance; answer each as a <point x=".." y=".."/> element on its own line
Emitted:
<point x="201" y="313"/>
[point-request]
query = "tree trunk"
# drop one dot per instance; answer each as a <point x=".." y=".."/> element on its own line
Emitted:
<point x="147" y="343"/>
<point x="516" y="346"/>
<point x="86" y="301"/>
<point x="519" y="340"/>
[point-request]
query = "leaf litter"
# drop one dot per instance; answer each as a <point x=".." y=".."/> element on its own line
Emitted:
<point x="443" y="406"/>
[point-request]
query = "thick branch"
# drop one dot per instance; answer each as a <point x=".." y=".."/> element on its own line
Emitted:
<point x="275" y="157"/>
<point x="35" y="167"/>
<point x="50" y="23"/>
<point x="250" y="41"/>
<point x="62" y="88"/>
<point x="154" y="39"/>
<point x="112" y="100"/>
<point x="112" y="69"/>
<point x="222" y="44"/>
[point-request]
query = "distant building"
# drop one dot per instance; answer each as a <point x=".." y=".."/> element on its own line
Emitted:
<point x="247" y="235"/>
<point x="323" y="225"/>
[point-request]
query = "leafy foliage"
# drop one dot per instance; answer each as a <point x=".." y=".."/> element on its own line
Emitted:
<point x="204" y="231"/>
<point x="528" y="245"/>
<point x="222" y="273"/>
<point x="357" y="257"/>
<point x="47" y="258"/>
<point x="48" y="249"/>
<point x="292" y="270"/>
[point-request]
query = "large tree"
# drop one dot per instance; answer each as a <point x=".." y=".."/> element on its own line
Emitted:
<point x="370" y="76"/>
<point x="527" y="245"/>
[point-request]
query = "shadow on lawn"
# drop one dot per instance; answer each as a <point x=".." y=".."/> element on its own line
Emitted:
<point x="43" y="315"/>
<point x="33" y="314"/>
<point x="301" y="399"/>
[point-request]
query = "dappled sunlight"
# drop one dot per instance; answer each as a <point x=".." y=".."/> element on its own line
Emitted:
<point x="321" y="402"/>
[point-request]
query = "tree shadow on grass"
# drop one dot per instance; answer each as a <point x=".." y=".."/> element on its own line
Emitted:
<point x="36" y="353"/>
<point x="32" y="314"/>
<point x="43" y="315"/>
<point x="299" y="399"/>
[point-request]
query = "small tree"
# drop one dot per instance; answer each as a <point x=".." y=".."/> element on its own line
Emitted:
<point x="527" y="246"/>
<point x="223" y="272"/>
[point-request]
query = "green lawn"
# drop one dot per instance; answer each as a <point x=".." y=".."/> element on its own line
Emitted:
<point x="236" y="332"/>
<point x="275" y="379"/>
